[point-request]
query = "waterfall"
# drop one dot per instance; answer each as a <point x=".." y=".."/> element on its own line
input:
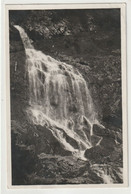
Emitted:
<point x="59" y="98"/>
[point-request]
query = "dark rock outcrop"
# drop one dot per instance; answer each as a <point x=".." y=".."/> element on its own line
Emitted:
<point x="97" y="153"/>
<point x="100" y="131"/>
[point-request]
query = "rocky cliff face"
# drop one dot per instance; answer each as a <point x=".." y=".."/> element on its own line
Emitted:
<point x="89" y="41"/>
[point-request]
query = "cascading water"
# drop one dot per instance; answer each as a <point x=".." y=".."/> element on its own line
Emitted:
<point x="59" y="97"/>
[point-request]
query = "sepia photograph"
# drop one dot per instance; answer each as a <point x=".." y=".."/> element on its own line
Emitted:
<point x="67" y="96"/>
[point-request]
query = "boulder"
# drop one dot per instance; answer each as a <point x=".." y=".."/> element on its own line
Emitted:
<point x="111" y="135"/>
<point x="99" y="152"/>
<point x="108" y="143"/>
<point x="96" y="153"/>
<point x="100" y="131"/>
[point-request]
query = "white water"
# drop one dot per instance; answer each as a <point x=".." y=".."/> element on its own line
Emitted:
<point x="59" y="98"/>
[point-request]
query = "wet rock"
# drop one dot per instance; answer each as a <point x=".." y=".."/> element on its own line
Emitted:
<point x="83" y="127"/>
<point x="87" y="132"/>
<point x="85" y="121"/>
<point x="105" y="148"/>
<point x="100" y="131"/>
<point x="70" y="140"/>
<point x="111" y="135"/>
<point x="95" y="140"/>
